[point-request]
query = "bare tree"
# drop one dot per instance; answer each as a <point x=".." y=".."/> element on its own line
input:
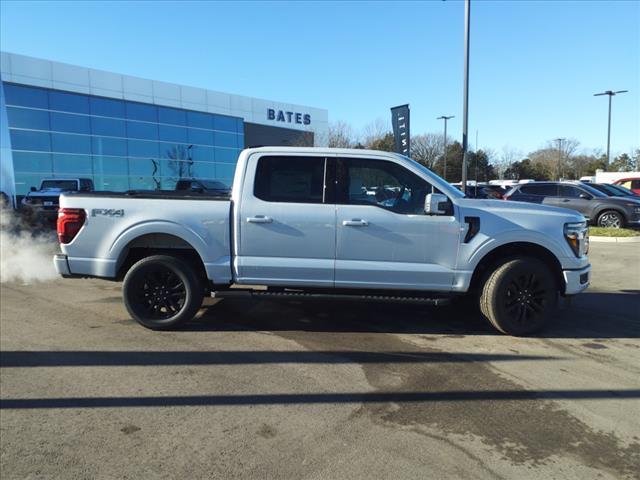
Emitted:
<point x="375" y="132"/>
<point x="180" y="161"/>
<point x="341" y="135"/>
<point x="426" y="148"/>
<point x="508" y="156"/>
<point x="556" y="158"/>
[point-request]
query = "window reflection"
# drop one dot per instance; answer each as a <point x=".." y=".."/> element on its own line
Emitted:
<point x="121" y="144"/>
<point x="28" y="118"/>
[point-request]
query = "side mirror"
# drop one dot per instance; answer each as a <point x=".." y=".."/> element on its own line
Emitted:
<point x="585" y="196"/>
<point x="435" y="204"/>
<point x="197" y="189"/>
<point x="33" y="189"/>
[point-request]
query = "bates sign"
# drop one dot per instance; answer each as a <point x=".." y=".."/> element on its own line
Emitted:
<point x="288" y="117"/>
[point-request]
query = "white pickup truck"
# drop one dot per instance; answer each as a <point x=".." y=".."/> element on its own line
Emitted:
<point x="321" y="221"/>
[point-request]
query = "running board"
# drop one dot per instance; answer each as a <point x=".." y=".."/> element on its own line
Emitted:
<point x="239" y="293"/>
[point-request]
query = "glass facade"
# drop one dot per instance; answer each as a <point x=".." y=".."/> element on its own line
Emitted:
<point x="119" y="144"/>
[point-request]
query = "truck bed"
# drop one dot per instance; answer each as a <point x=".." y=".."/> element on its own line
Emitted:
<point x="117" y="222"/>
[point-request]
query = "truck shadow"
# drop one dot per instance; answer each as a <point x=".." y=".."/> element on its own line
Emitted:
<point x="589" y="315"/>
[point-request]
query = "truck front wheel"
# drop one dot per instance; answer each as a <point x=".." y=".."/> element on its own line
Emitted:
<point x="519" y="296"/>
<point x="161" y="292"/>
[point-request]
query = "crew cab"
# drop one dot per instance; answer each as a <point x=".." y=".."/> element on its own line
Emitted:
<point x="331" y="222"/>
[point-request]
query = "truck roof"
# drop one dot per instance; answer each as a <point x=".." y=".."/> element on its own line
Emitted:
<point x="321" y="150"/>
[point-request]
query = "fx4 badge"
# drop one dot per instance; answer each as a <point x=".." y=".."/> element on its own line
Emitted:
<point x="107" y="212"/>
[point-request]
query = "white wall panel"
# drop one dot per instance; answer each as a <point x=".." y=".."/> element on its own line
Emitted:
<point x="194" y="95"/>
<point x="5" y="63"/>
<point x="31" y="67"/>
<point x="70" y="74"/>
<point x="137" y="86"/>
<point x="44" y="73"/>
<point x="166" y="90"/>
<point x="105" y="80"/>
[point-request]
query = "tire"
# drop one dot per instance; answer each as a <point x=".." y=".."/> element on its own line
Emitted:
<point x="162" y="292"/>
<point x="610" y="219"/>
<point x="519" y="296"/>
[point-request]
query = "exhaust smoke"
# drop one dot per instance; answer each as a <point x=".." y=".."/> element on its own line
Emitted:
<point x="25" y="252"/>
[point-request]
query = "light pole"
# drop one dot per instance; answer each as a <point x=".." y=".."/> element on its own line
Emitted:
<point x="445" y="118"/>
<point x="610" y="94"/>
<point x="559" y="140"/>
<point x="465" y="106"/>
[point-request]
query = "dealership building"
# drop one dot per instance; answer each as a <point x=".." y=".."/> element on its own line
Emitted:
<point x="125" y="133"/>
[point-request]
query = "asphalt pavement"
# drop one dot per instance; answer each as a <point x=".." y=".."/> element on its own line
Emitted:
<point x="320" y="389"/>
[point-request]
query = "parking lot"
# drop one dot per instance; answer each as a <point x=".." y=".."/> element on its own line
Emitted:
<point x="310" y="389"/>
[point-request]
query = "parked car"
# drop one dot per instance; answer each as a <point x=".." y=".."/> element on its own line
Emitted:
<point x="632" y="184"/>
<point x="613" y="190"/>
<point x="598" y="208"/>
<point x="484" y="191"/>
<point x="43" y="203"/>
<point x="210" y="187"/>
<point x="299" y="222"/>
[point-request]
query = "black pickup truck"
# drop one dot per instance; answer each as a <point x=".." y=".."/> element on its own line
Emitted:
<point x="42" y="204"/>
<point x="211" y="187"/>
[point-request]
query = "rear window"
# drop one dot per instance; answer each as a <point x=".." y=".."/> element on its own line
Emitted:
<point x="61" y="184"/>
<point x="290" y="179"/>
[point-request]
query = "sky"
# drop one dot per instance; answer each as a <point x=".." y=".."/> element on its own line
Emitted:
<point x="534" y="65"/>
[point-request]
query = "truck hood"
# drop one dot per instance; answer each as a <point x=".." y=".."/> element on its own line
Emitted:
<point x="508" y="208"/>
<point x="47" y="192"/>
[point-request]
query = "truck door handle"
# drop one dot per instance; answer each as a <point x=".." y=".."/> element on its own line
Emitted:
<point x="259" y="219"/>
<point x="566" y="200"/>
<point x="355" y="222"/>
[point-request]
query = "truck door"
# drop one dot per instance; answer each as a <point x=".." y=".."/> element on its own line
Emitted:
<point x="287" y="224"/>
<point x="384" y="238"/>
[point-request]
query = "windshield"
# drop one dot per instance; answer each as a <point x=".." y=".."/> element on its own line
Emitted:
<point x="437" y="181"/>
<point x="620" y="190"/>
<point x="59" y="184"/>
<point x="593" y="191"/>
<point x="214" y="185"/>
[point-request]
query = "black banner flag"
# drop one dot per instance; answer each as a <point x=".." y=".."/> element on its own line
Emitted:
<point x="400" y="122"/>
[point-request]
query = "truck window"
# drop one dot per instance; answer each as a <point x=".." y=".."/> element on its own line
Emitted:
<point x="290" y="179"/>
<point x="543" y="190"/>
<point x="61" y="184"/>
<point x="380" y="183"/>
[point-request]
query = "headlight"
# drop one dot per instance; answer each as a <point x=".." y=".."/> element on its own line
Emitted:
<point x="577" y="236"/>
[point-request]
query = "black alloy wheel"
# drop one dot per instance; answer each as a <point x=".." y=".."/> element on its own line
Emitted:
<point x="519" y="296"/>
<point x="162" y="292"/>
<point x="525" y="298"/>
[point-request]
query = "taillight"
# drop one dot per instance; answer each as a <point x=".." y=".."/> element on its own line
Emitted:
<point x="70" y="221"/>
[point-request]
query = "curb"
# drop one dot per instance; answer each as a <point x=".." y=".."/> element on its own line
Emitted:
<point x="614" y="239"/>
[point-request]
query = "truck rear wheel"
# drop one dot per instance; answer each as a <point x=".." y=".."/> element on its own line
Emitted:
<point x="519" y="296"/>
<point x="161" y="292"/>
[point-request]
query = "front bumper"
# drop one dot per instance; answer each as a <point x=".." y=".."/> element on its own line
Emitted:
<point x="576" y="281"/>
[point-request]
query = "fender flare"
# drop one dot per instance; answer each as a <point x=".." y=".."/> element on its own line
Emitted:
<point x="119" y="246"/>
